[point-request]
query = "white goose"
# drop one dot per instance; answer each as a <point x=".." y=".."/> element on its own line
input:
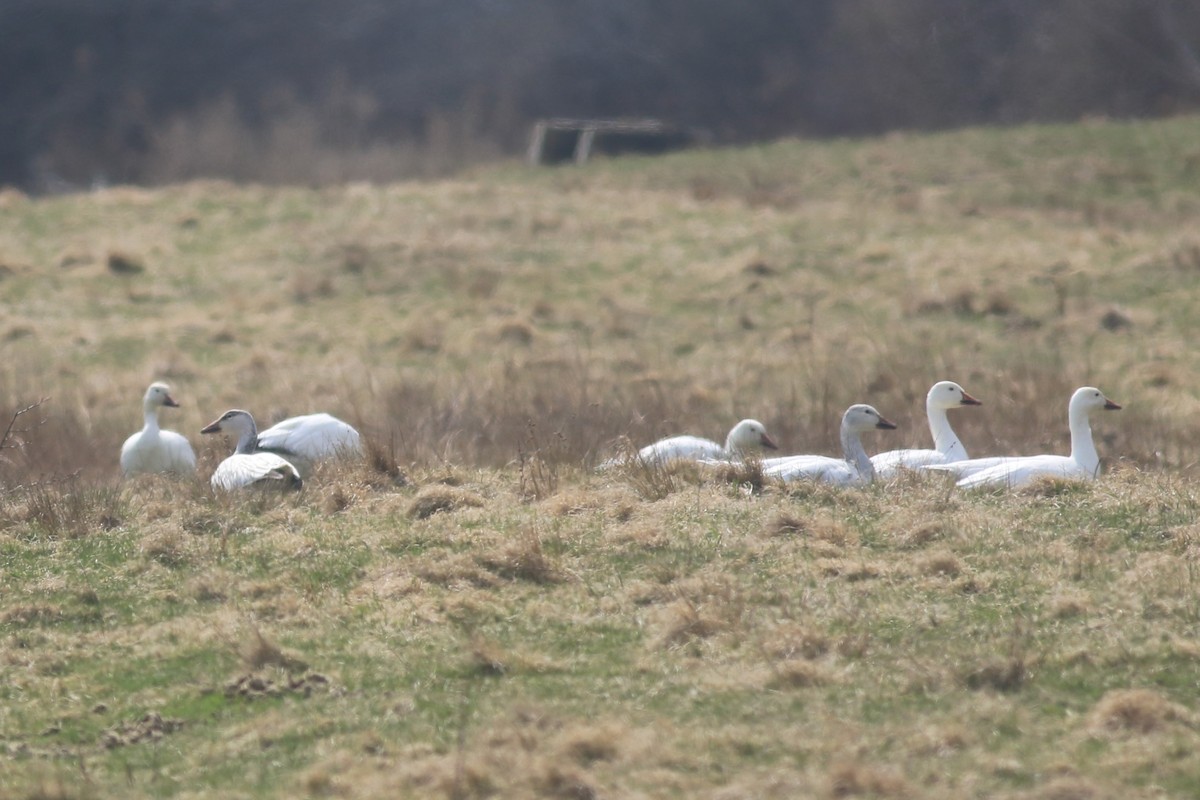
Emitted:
<point x="310" y="438"/>
<point x="943" y="396"/>
<point x="1082" y="464"/>
<point x="854" y="468"/>
<point x="745" y="437"/>
<point x="152" y="449"/>
<point x="247" y="467"/>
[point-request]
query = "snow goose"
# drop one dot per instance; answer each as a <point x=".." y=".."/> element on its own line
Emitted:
<point x="943" y="396"/>
<point x="854" y="468"/>
<point x="152" y="449"/>
<point x="1082" y="464"/>
<point x="745" y="437"/>
<point x="247" y="466"/>
<point x="310" y="438"/>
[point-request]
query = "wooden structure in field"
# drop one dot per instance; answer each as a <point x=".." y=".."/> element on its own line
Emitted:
<point x="557" y="140"/>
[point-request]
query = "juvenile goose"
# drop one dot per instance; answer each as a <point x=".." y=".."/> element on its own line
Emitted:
<point x="854" y="468"/>
<point x="942" y="397"/>
<point x="247" y="466"/>
<point x="747" y="436"/>
<point x="310" y="438"/>
<point x="1083" y="463"/>
<point x="152" y="449"/>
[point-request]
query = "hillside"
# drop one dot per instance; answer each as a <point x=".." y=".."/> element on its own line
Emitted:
<point x="476" y="612"/>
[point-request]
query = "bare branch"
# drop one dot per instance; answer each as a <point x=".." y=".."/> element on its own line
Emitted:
<point x="11" y="429"/>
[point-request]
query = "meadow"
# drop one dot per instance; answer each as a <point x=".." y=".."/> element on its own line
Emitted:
<point x="474" y="611"/>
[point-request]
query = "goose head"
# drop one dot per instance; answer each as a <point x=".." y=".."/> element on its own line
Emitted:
<point x="1088" y="399"/>
<point x="861" y="418"/>
<point x="238" y="423"/>
<point x="947" y="395"/>
<point x="159" y="394"/>
<point x="749" y="434"/>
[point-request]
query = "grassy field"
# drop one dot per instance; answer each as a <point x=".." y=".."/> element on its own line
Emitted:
<point x="476" y="612"/>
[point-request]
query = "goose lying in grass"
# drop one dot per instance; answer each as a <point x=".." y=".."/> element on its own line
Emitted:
<point x="748" y="436"/>
<point x="1082" y="464"/>
<point x="153" y="449"/>
<point x="310" y="438"/>
<point x="942" y="397"/>
<point x="247" y="466"/>
<point x="854" y="468"/>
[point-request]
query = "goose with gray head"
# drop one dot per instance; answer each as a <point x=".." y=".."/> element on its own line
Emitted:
<point x="1083" y="464"/>
<point x="248" y="466"/>
<point x="943" y="396"/>
<point x="854" y="468"/>
<point x="152" y="449"/>
<point x="747" y="437"/>
<point x="311" y="438"/>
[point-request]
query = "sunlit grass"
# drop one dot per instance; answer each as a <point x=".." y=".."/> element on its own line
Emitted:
<point x="477" y="612"/>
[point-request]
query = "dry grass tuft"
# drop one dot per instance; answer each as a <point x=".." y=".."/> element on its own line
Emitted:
<point x="1069" y="605"/>
<point x="120" y="263"/>
<point x="70" y="509"/>
<point x="1069" y="788"/>
<point x="849" y="779"/>
<point x="791" y="640"/>
<point x="565" y="783"/>
<point x="797" y="674"/>
<point x="686" y="622"/>
<point x="1047" y="488"/>
<point x="454" y="571"/>
<point x="166" y="544"/>
<point x="1002" y="675"/>
<point x="787" y="524"/>
<point x="1135" y="711"/>
<point x="746" y="474"/>
<point x="942" y="563"/>
<point x="920" y="534"/>
<point x="381" y="460"/>
<point x="432" y="500"/>
<point x="850" y="569"/>
<point x="524" y="560"/>
<point x="257" y="651"/>
<point x="587" y="743"/>
<point x="655" y="480"/>
<point x="487" y="657"/>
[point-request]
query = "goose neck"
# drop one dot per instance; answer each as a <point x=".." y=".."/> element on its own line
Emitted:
<point x="248" y="441"/>
<point x="945" y="440"/>
<point x="1083" y="447"/>
<point x="854" y="453"/>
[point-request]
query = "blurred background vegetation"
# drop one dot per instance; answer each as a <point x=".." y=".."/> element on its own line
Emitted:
<point x="315" y="91"/>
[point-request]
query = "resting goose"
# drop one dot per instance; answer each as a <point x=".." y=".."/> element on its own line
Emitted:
<point x="854" y="468"/>
<point x="747" y="436"/>
<point x="942" y="397"/>
<point x="248" y="467"/>
<point x="310" y="438"/>
<point x="1083" y="463"/>
<point x="152" y="449"/>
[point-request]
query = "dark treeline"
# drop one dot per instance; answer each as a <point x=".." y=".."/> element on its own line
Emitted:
<point x="156" y="90"/>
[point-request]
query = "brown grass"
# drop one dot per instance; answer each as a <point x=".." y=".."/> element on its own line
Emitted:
<point x="507" y="621"/>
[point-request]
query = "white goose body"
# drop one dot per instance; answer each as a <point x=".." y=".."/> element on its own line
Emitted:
<point x="311" y="438"/>
<point x="854" y="468"/>
<point x="247" y="466"/>
<point x="942" y="397"/>
<point x="747" y="436"/>
<point x="1083" y="464"/>
<point x="152" y="449"/>
<point x="970" y="466"/>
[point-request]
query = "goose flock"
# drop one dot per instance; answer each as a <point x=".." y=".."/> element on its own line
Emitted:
<point x="278" y="457"/>
<point x="948" y="455"/>
<point x="285" y="453"/>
